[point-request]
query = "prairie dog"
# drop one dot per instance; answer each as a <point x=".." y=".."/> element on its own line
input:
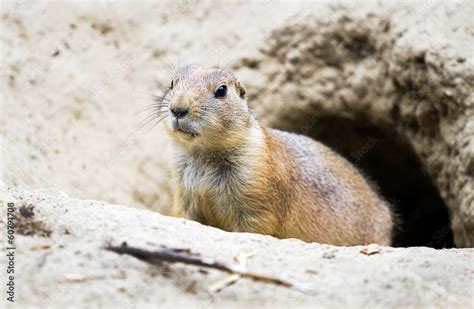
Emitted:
<point x="235" y="174"/>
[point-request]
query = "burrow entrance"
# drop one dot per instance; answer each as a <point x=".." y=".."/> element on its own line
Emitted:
<point x="390" y="162"/>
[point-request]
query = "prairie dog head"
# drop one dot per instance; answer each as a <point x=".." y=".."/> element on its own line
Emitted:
<point x="206" y="107"/>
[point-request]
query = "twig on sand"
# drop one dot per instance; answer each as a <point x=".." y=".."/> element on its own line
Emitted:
<point x="231" y="278"/>
<point x="185" y="256"/>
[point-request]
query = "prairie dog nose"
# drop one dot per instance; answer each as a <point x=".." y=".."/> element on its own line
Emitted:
<point x="179" y="112"/>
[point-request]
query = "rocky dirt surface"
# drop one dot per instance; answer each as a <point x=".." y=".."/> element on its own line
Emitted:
<point x="403" y="69"/>
<point x="68" y="267"/>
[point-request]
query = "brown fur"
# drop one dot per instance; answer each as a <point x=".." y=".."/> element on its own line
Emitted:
<point x="236" y="175"/>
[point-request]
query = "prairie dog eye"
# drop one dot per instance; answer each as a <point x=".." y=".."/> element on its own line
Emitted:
<point x="221" y="91"/>
<point x="172" y="84"/>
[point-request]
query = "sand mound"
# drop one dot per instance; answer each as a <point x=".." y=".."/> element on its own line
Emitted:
<point x="388" y="85"/>
<point x="68" y="267"/>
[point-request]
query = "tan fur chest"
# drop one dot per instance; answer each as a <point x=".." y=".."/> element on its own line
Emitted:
<point x="213" y="189"/>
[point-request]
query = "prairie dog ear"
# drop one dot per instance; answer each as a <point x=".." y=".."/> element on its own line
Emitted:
<point x="240" y="89"/>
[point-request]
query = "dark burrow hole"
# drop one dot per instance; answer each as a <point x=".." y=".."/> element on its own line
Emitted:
<point x="391" y="163"/>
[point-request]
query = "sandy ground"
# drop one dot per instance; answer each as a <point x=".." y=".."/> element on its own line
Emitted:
<point x="69" y="268"/>
<point x="72" y="78"/>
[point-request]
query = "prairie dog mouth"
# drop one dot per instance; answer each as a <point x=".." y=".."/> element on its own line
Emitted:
<point x="183" y="128"/>
<point x="186" y="132"/>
